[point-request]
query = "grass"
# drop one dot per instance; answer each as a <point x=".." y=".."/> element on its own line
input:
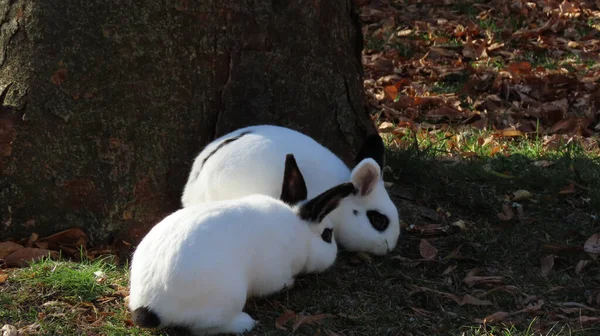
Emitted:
<point x="399" y="294"/>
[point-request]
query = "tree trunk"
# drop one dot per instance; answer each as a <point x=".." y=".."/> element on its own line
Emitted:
<point x="105" y="103"/>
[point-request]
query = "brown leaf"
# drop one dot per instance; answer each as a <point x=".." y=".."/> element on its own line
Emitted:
<point x="445" y="111"/>
<point x="385" y="127"/>
<point x="442" y="294"/>
<point x="592" y="246"/>
<point x="571" y="125"/>
<point x="391" y="92"/>
<point x="427" y="250"/>
<point x="282" y="320"/>
<point x="519" y="68"/>
<point x="32" y="238"/>
<point x="496" y="317"/>
<point x="581" y="265"/>
<point x="507" y="212"/>
<point x="570" y="189"/>
<point x="521" y="195"/>
<point x="471" y="300"/>
<point x="508" y="133"/>
<point x="22" y="257"/>
<point x="3" y="277"/>
<point x="547" y="263"/>
<point x="8" y="247"/>
<point x="72" y="237"/>
<point x="472" y="280"/>
<point x="588" y="319"/>
<point x="308" y="319"/>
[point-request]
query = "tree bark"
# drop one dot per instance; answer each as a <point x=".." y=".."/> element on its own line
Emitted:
<point x="105" y="103"/>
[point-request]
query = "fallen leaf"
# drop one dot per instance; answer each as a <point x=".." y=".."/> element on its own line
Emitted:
<point x="385" y="127"/>
<point x="364" y="257"/>
<point x="519" y="68"/>
<point x="532" y="307"/>
<point x="460" y="224"/>
<point x="391" y="91"/>
<point x="427" y="250"/>
<point x="521" y="195"/>
<point x="282" y="320"/>
<point x="507" y="212"/>
<point x="445" y="112"/>
<point x="547" y="263"/>
<point x="588" y="319"/>
<point x="508" y="133"/>
<point x="308" y="319"/>
<point x="9" y="330"/>
<point x="471" y="300"/>
<point x="32" y="238"/>
<point x="3" y="277"/>
<point x="592" y="246"/>
<point x="8" y="247"/>
<point x="496" y="317"/>
<point x="570" y="189"/>
<point x="542" y="163"/>
<point x="421" y="312"/>
<point x="22" y="257"/>
<point x="72" y="238"/>
<point x="472" y="280"/>
<point x="581" y="265"/>
<point x="442" y="294"/>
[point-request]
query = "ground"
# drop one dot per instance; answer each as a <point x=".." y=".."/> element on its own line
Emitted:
<point x="490" y="113"/>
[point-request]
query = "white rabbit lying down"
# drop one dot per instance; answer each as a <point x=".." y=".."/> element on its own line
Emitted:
<point x="197" y="266"/>
<point x="245" y="162"/>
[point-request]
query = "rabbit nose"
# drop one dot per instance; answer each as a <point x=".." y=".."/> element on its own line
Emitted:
<point x="378" y="221"/>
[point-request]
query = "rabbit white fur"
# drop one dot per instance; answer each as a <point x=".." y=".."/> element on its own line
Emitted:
<point x="245" y="162"/>
<point x="197" y="266"/>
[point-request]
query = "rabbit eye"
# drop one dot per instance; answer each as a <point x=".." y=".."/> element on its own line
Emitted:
<point x="326" y="235"/>
<point x="355" y="212"/>
<point x="379" y="221"/>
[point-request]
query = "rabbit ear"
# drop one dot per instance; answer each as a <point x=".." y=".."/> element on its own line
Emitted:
<point x="365" y="176"/>
<point x="317" y="208"/>
<point x="293" y="189"/>
<point x="373" y="148"/>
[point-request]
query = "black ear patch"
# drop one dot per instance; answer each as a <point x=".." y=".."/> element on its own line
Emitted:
<point x="327" y="235"/>
<point x="372" y="148"/>
<point x="293" y="188"/>
<point x="317" y="208"/>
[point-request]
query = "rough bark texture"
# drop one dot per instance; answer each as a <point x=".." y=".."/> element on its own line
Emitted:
<point x="105" y="103"/>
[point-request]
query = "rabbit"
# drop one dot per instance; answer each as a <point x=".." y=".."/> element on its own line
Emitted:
<point x="244" y="162"/>
<point x="198" y="265"/>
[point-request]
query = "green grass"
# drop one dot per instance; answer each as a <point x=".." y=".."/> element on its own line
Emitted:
<point x="67" y="298"/>
<point x="395" y="294"/>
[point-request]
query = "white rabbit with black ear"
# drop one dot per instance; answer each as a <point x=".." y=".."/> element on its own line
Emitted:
<point x="197" y="266"/>
<point x="244" y="162"/>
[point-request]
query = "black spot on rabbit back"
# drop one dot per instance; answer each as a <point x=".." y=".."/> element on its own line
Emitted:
<point x="221" y="145"/>
<point x="379" y="221"/>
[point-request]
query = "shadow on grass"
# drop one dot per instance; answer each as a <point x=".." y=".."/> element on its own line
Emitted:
<point x="490" y="266"/>
<point x="497" y="261"/>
